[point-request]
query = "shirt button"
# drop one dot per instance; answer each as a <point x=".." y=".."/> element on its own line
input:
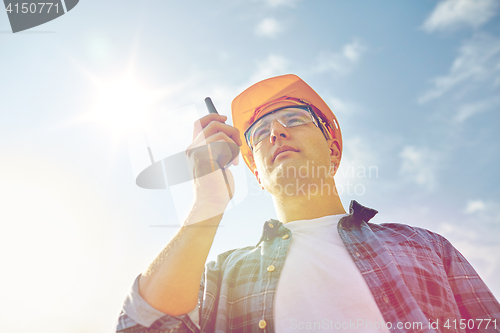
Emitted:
<point x="358" y="254"/>
<point x="270" y="268"/>
<point x="262" y="324"/>
<point x="285" y="237"/>
<point x="385" y="298"/>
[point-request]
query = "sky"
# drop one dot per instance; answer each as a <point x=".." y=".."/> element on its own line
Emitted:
<point x="414" y="84"/>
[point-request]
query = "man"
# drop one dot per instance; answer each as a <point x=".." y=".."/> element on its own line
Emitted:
<point x="317" y="268"/>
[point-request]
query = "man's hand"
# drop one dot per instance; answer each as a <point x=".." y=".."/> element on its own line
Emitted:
<point x="215" y="145"/>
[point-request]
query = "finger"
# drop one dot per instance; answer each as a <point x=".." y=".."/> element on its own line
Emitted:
<point x="226" y="149"/>
<point x="219" y="136"/>
<point x="216" y="127"/>
<point x="223" y="148"/>
<point x="225" y="144"/>
<point x="201" y="123"/>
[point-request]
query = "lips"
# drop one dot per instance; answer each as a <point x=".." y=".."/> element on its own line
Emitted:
<point x="281" y="149"/>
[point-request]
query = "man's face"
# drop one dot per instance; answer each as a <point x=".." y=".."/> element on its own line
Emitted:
<point x="291" y="153"/>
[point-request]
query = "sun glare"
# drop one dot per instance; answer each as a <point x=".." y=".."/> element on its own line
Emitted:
<point x="122" y="104"/>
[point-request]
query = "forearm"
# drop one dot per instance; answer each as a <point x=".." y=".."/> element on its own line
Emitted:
<point x="171" y="283"/>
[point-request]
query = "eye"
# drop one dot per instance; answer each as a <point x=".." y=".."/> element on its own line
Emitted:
<point x="259" y="134"/>
<point x="297" y="120"/>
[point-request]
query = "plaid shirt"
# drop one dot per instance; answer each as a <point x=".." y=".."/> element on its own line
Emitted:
<point x="418" y="280"/>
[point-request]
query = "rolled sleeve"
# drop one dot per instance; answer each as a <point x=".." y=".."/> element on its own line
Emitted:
<point x="137" y="309"/>
<point x="137" y="315"/>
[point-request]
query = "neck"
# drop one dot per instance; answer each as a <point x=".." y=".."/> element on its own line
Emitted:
<point x="306" y="205"/>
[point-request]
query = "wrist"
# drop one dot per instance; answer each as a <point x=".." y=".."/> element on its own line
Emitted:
<point x="206" y="212"/>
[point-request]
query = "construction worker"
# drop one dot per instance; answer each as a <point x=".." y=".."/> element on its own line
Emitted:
<point x="315" y="268"/>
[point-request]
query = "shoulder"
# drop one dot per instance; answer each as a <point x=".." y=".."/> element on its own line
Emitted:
<point x="399" y="229"/>
<point x="415" y="237"/>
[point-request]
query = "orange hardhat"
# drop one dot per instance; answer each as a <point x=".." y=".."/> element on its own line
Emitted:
<point x="277" y="92"/>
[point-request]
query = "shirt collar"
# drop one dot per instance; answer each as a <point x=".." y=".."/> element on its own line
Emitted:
<point x="357" y="215"/>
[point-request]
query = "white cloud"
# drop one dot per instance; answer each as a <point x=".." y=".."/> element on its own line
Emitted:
<point x="340" y="62"/>
<point x="353" y="51"/>
<point x="466" y="111"/>
<point x="419" y="165"/>
<point x="488" y="212"/>
<point x="452" y="14"/>
<point x="272" y="66"/>
<point x="477" y="63"/>
<point x="268" y="27"/>
<point x="474" y="206"/>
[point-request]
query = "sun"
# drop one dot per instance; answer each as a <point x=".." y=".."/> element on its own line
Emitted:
<point x="122" y="104"/>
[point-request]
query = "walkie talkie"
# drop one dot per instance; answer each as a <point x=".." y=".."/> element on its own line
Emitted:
<point x="211" y="109"/>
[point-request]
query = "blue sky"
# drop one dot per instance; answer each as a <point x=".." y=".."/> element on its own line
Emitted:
<point x="414" y="84"/>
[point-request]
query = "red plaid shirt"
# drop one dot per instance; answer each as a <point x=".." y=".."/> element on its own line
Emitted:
<point x="420" y="282"/>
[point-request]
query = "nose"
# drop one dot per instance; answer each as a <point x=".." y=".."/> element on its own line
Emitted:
<point x="278" y="131"/>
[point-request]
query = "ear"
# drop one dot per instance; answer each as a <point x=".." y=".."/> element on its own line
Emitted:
<point x="256" y="174"/>
<point x="335" y="152"/>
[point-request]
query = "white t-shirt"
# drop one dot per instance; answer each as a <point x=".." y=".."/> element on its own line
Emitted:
<point x="320" y="288"/>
